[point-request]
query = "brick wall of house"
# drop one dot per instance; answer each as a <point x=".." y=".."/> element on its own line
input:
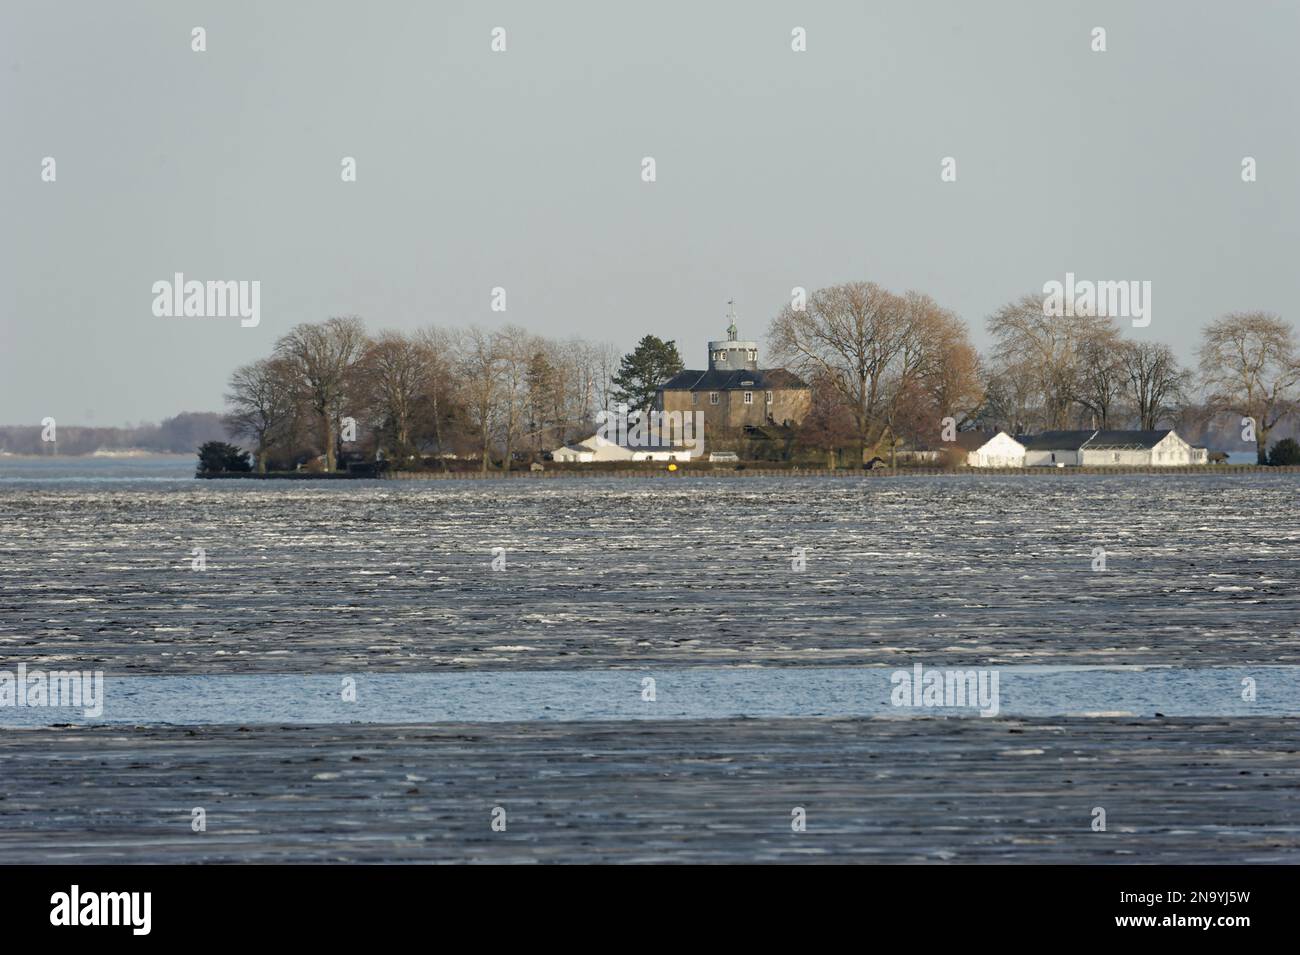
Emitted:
<point x="731" y="413"/>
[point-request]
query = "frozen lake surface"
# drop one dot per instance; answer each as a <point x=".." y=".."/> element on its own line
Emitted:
<point x="523" y="687"/>
<point x="363" y="577"/>
<point x="692" y="693"/>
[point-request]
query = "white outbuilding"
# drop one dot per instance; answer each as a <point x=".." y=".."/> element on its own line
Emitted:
<point x="1093" y="448"/>
<point x="985" y="449"/>
<point x="599" y="448"/>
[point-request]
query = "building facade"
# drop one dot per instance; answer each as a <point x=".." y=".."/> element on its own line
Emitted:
<point x="1161" y="448"/>
<point x="986" y="450"/>
<point x="734" y="393"/>
<point x="598" y="448"/>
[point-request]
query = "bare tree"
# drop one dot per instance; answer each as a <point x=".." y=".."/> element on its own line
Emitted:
<point x="1250" y="368"/>
<point x="947" y="370"/>
<point x="439" y="410"/>
<point x="600" y="365"/>
<point x="396" y="369"/>
<point x="1100" y="381"/>
<point x="937" y="378"/>
<point x="828" y="425"/>
<point x="322" y="358"/>
<point x="262" y="406"/>
<point x="479" y="367"/>
<point x="1152" y="381"/>
<point x="574" y="388"/>
<point x="858" y="338"/>
<point x="894" y="360"/>
<point x="1047" y="352"/>
<point x="515" y="349"/>
<point x="545" y="398"/>
<point x="470" y="392"/>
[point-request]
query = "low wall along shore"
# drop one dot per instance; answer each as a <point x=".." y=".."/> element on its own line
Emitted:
<point x="727" y="471"/>
<point x="662" y="471"/>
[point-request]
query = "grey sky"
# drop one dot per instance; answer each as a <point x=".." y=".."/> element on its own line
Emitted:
<point x="522" y="170"/>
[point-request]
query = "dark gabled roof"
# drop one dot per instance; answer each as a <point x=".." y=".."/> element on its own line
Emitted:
<point x="1127" y="439"/>
<point x="744" y="379"/>
<point x="630" y="447"/>
<point x="966" y="441"/>
<point x="974" y="440"/>
<point x="1091" y="439"/>
<point x="1056" y="440"/>
<point x="971" y="440"/>
<point x="655" y="447"/>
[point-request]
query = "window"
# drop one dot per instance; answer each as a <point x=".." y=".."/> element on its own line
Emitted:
<point x="695" y="397"/>
<point x="769" y="397"/>
<point x="749" y="397"/>
<point x="713" y="397"/>
<point x="753" y="354"/>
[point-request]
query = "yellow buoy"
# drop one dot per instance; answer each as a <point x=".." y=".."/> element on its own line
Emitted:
<point x="672" y="467"/>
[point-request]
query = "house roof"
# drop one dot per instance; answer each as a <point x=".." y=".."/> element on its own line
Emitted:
<point x="966" y="440"/>
<point x="1055" y="440"/>
<point x="629" y="446"/>
<point x="742" y="379"/>
<point x="1091" y="439"/>
<point x="1127" y="439"/>
<point x="974" y="440"/>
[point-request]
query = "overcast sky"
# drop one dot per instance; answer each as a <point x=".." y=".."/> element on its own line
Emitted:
<point x="523" y="170"/>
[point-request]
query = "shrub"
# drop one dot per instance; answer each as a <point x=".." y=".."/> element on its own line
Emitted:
<point x="217" y="457"/>
<point x="1284" y="452"/>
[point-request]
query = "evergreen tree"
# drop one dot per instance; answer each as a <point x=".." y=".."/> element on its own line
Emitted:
<point x="641" y="372"/>
<point x="1285" y="452"/>
<point x="217" y="457"/>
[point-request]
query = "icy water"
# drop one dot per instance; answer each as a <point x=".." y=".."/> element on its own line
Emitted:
<point x="694" y="693"/>
<point x="96" y="572"/>
<point x="145" y="469"/>
<point x="231" y="687"/>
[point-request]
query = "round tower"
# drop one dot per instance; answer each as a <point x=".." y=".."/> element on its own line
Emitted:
<point x="732" y="354"/>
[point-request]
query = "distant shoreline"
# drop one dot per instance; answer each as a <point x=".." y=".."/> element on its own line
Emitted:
<point x="96" y="456"/>
<point x="746" y="472"/>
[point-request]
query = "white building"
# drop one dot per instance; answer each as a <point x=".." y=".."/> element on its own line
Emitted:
<point x="1092" y="448"/>
<point x="987" y="450"/>
<point x="599" y="448"/>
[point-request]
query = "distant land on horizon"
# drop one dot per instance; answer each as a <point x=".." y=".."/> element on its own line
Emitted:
<point x="183" y="433"/>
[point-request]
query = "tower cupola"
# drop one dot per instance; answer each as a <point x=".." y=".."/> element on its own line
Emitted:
<point x="732" y="354"/>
